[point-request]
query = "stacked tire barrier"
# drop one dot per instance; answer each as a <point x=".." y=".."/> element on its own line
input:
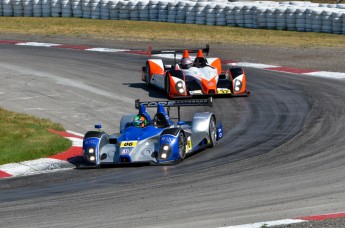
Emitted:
<point x="293" y="16"/>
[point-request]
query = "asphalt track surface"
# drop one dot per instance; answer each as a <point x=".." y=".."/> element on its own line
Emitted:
<point x="282" y="155"/>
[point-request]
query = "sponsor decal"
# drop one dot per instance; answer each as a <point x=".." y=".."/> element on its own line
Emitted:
<point x="176" y="103"/>
<point x="129" y="144"/>
<point x="189" y="144"/>
<point x="200" y="117"/>
<point x="167" y="139"/>
<point x="210" y="84"/>
<point x="125" y="151"/>
<point x="220" y="133"/>
<point x="195" y="92"/>
<point x="223" y="91"/>
<point x="90" y="141"/>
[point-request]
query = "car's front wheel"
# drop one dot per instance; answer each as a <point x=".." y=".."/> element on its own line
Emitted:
<point x="182" y="145"/>
<point x="213" y="131"/>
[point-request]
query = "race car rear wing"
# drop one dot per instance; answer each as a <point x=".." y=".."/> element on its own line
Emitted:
<point x="175" y="103"/>
<point x="178" y="51"/>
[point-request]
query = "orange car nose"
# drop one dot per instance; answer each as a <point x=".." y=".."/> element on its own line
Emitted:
<point x="209" y="86"/>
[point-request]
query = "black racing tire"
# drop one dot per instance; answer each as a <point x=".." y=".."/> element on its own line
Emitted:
<point x="147" y="74"/>
<point x="213" y="131"/>
<point x="182" y="146"/>
<point x="167" y="86"/>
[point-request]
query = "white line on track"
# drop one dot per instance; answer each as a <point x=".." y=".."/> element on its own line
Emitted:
<point x="37" y="44"/>
<point x="106" y="50"/>
<point x="327" y="74"/>
<point x="268" y="223"/>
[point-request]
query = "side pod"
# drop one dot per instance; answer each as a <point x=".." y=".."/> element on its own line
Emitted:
<point x="153" y="66"/>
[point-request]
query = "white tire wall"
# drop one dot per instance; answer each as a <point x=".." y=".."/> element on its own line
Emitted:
<point x="86" y="8"/>
<point x="18" y="10"/>
<point x="56" y="10"/>
<point x="302" y="16"/>
<point x="143" y="9"/>
<point x="326" y="20"/>
<point x="200" y="13"/>
<point x="190" y="12"/>
<point x="37" y="8"/>
<point x="239" y="15"/>
<point x="114" y="9"/>
<point x="181" y="12"/>
<point x="96" y="9"/>
<point x="46" y="8"/>
<point x="308" y="19"/>
<point x="7" y="8"/>
<point x="1" y="10"/>
<point x="211" y="14"/>
<point x="271" y="18"/>
<point x="66" y="8"/>
<point x="291" y="23"/>
<point x="230" y="15"/>
<point x="162" y="11"/>
<point x="220" y="14"/>
<point x="280" y="18"/>
<point x="105" y="12"/>
<point x="248" y="16"/>
<point x="77" y="8"/>
<point x="301" y="19"/>
<point x="153" y="10"/>
<point x="316" y="15"/>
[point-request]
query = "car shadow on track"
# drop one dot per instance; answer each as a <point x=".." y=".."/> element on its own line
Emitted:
<point x="152" y="91"/>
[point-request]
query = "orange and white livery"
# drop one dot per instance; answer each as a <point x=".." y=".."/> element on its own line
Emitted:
<point x="199" y="76"/>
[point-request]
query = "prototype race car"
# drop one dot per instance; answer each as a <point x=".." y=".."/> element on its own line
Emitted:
<point x="203" y="76"/>
<point x="155" y="141"/>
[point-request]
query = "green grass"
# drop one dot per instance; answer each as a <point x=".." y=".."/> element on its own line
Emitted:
<point x="24" y="137"/>
<point x="164" y="32"/>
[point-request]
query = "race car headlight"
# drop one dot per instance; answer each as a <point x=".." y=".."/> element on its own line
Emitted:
<point x="165" y="151"/>
<point x="237" y="85"/>
<point x="90" y="155"/>
<point x="179" y="87"/>
<point x="92" y="158"/>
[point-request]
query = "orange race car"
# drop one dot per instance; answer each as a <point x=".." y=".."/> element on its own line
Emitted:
<point x="198" y="77"/>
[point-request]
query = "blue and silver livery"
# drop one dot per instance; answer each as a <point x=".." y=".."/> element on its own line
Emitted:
<point x="157" y="140"/>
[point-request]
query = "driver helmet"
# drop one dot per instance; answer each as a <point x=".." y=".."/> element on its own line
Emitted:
<point x="186" y="63"/>
<point x="140" y="121"/>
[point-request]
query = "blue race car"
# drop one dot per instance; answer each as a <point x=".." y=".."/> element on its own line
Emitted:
<point x="155" y="141"/>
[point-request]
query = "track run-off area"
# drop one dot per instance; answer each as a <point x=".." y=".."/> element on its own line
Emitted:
<point x="282" y="155"/>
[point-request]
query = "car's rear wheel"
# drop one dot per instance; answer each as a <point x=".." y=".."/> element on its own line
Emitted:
<point x="167" y="86"/>
<point x="147" y="74"/>
<point x="213" y="131"/>
<point x="182" y="146"/>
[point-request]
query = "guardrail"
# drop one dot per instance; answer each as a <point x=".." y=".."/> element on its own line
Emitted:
<point x="293" y="15"/>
